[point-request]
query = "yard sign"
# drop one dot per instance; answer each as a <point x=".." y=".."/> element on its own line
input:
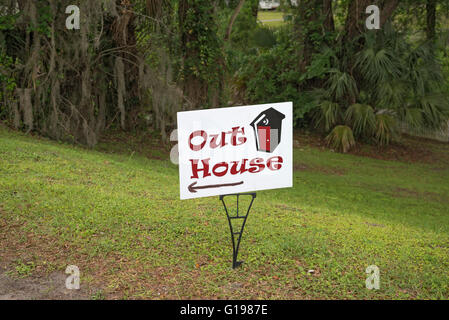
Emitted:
<point x="235" y="150"/>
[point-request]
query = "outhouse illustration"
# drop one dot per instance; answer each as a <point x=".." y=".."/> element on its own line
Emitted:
<point x="267" y="129"/>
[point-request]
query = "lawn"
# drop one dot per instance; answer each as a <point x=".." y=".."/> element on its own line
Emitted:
<point x="117" y="216"/>
<point x="271" y="18"/>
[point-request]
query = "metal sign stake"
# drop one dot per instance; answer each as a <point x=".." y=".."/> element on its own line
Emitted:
<point x="236" y="246"/>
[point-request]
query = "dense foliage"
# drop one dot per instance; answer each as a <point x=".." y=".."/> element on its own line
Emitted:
<point x="134" y="63"/>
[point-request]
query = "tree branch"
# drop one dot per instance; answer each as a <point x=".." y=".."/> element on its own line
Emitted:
<point x="231" y="22"/>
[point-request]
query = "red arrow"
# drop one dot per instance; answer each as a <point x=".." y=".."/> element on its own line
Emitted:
<point x="193" y="189"/>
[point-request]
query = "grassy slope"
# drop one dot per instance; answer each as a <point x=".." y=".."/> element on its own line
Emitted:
<point x="119" y="219"/>
<point x="267" y="17"/>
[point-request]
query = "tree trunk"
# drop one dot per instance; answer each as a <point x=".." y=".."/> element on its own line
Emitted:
<point x="254" y="8"/>
<point x="234" y="16"/>
<point x="194" y="88"/>
<point x="199" y="69"/>
<point x="307" y="23"/>
<point x="431" y="7"/>
<point x="355" y="19"/>
<point x="387" y="11"/>
<point x="329" y="24"/>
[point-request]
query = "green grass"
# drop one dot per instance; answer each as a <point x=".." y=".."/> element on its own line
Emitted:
<point x="119" y="218"/>
<point x="22" y="270"/>
<point x="266" y="16"/>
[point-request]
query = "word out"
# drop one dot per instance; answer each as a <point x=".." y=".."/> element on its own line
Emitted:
<point x="213" y="143"/>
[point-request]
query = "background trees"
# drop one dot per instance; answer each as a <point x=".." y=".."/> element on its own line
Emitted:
<point x="135" y="63"/>
<point x="357" y="84"/>
<point x="70" y="83"/>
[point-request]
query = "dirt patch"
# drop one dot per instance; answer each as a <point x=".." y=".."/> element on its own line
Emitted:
<point x="44" y="277"/>
<point x="145" y="143"/>
<point x="51" y="287"/>
<point x="408" y="149"/>
<point x="407" y="193"/>
<point x="111" y="276"/>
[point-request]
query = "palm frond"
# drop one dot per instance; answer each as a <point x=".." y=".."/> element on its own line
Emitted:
<point x="327" y="115"/>
<point x="386" y="128"/>
<point x="341" y="138"/>
<point x="435" y="109"/>
<point x="412" y="116"/>
<point x="361" y="119"/>
<point x="391" y="94"/>
<point x="342" y="84"/>
<point x="378" y="65"/>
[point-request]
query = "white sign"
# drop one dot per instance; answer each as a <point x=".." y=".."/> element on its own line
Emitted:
<point x="234" y="150"/>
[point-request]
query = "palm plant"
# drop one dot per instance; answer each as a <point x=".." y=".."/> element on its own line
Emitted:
<point x="386" y="128"/>
<point x="341" y="138"/>
<point x="389" y="82"/>
<point x="327" y="115"/>
<point x="341" y="84"/>
<point x="377" y="65"/>
<point x="361" y="118"/>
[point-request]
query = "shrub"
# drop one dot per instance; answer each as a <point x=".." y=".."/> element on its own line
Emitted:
<point x="385" y="128"/>
<point x="361" y="119"/>
<point x="341" y="138"/>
